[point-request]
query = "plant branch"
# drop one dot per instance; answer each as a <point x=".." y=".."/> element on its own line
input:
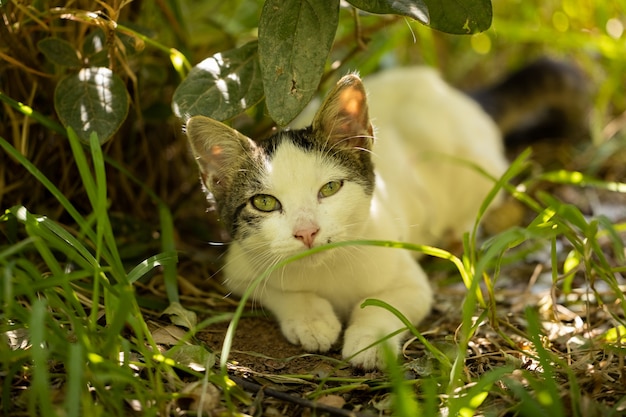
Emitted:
<point x="255" y="388"/>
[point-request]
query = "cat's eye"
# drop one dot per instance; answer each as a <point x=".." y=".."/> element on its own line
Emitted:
<point x="265" y="202"/>
<point x="330" y="188"/>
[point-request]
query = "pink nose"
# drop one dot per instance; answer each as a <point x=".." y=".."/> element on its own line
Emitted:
<point x="307" y="235"/>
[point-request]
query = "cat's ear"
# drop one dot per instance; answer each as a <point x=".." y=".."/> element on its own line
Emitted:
<point x="218" y="149"/>
<point x="343" y="118"/>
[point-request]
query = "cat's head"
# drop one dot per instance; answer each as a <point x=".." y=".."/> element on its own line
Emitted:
<point x="298" y="188"/>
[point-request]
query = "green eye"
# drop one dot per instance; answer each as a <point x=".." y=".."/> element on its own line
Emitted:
<point x="330" y="188"/>
<point x="265" y="202"/>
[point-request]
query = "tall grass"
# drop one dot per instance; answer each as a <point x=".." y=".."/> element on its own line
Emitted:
<point x="73" y="330"/>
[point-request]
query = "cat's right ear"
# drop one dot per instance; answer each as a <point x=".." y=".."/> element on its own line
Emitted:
<point x="218" y="149"/>
<point x="343" y="118"/>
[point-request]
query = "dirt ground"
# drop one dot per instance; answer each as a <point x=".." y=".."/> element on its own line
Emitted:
<point x="262" y="356"/>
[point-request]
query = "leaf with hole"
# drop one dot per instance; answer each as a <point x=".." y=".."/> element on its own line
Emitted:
<point x="295" y="37"/>
<point x="92" y="100"/>
<point x="221" y="86"/>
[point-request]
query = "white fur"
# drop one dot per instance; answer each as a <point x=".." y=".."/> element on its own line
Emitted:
<point x="421" y="194"/>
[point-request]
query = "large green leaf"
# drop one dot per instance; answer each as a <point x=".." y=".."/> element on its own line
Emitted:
<point x="295" y="37"/>
<point x="415" y="9"/>
<point x="59" y="52"/>
<point x="221" y="86"/>
<point x="92" y="100"/>
<point x="460" y="16"/>
<point x="451" y="16"/>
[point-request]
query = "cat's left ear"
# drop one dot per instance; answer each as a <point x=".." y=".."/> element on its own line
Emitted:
<point x="219" y="150"/>
<point x="343" y="118"/>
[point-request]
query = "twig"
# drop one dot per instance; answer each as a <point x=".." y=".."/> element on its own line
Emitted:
<point x="255" y="388"/>
<point x="360" y="41"/>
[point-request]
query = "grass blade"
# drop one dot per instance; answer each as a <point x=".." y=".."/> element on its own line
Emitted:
<point x="167" y="232"/>
<point x="552" y="401"/>
<point x="151" y="263"/>
<point x="439" y="355"/>
<point x="40" y="394"/>
<point x="65" y="203"/>
<point x="75" y="372"/>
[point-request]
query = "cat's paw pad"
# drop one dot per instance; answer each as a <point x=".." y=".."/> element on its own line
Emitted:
<point x="314" y="334"/>
<point x="357" y="339"/>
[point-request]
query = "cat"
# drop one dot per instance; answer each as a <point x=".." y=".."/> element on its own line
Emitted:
<point x="380" y="161"/>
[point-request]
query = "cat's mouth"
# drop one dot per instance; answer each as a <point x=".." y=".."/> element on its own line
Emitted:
<point x="305" y="255"/>
<point x="315" y="259"/>
<point x="318" y="255"/>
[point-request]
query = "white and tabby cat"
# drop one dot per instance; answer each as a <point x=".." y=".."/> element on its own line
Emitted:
<point x="330" y="183"/>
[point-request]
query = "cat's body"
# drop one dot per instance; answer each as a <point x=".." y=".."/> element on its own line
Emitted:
<point x="304" y="188"/>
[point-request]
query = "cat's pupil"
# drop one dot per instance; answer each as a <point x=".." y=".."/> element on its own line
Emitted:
<point x="330" y="188"/>
<point x="265" y="202"/>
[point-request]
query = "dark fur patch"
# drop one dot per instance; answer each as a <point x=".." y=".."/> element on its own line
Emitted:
<point x="546" y="99"/>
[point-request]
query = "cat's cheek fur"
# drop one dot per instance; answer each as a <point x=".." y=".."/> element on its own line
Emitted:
<point x="344" y="214"/>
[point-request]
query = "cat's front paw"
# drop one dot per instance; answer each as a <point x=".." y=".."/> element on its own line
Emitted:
<point x="358" y="338"/>
<point x="315" y="334"/>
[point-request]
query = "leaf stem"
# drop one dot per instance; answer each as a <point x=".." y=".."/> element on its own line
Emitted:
<point x="179" y="61"/>
<point x="30" y="112"/>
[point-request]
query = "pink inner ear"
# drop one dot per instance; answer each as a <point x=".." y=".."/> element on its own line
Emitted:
<point x="216" y="151"/>
<point x="352" y="101"/>
<point x="354" y="119"/>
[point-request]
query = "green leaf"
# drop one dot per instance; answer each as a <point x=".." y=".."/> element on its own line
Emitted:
<point x="582" y="180"/>
<point x="92" y="100"/>
<point x="180" y="316"/>
<point x="451" y="16"/>
<point x="54" y="235"/>
<point x="95" y="49"/>
<point x="151" y="263"/>
<point x="221" y="86"/>
<point x="59" y="52"/>
<point x="568" y="212"/>
<point x="460" y="17"/>
<point x="194" y="356"/>
<point x="415" y="9"/>
<point x="467" y="404"/>
<point x="295" y="37"/>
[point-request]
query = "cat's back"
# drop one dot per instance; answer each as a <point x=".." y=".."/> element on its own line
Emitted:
<point x="423" y="128"/>
<point x="416" y="100"/>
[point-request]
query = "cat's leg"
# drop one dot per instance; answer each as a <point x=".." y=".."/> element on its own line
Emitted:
<point x="305" y="318"/>
<point x="410" y="294"/>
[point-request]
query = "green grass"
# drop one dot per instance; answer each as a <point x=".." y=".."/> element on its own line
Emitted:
<point x="71" y="311"/>
<point x="80" y="332"/>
